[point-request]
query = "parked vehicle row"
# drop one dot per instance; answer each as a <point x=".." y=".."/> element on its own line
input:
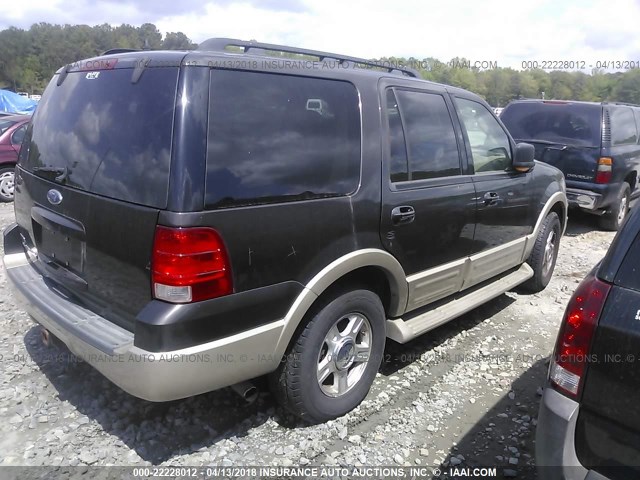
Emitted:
<point x="294" y="219"/>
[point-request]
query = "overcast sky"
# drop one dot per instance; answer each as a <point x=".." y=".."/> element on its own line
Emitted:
<point x="508" y="32"/>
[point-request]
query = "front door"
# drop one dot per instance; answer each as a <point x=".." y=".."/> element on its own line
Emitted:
<point x="428" y="208"/>
<point x="503" y="195"/>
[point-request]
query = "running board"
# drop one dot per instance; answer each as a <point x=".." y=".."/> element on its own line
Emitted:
<point x="402" y="330"/>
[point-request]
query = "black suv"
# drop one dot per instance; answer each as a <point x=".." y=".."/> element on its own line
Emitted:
<point x="191" y="220"/>
<point x="589" y="422"/>
<point x="596" y="145"/>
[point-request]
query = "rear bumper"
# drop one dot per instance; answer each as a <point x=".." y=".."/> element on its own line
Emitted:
<point x="584" y="199"/>
<point x="556" y="457"/>
<point x="154" y="376"/>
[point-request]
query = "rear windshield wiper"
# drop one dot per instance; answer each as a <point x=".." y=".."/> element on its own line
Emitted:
<point x="61" y="172"/>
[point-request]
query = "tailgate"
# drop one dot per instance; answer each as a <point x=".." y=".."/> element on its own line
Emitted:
<point x="566" y="135"/>
<point x="92" y="181"/>
<point x="608" y="429"/>
<point x="577" y="163"/>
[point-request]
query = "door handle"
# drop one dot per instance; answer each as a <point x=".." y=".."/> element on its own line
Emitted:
<point x="491" y="198"/>
<point x="403" y="214"/>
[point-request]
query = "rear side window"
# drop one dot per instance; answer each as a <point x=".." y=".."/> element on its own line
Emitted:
<point x="18" y="135"/>
<point x="623" y="127"/>
<point x="636" y="113"/>
<point x="113" y="136"/>
<point x="422" y="120"/>
<point x="559" y="122"/>
<point x="6" y="125"/>
<point x="629" y="273"/>
<point x="276" y="138"/>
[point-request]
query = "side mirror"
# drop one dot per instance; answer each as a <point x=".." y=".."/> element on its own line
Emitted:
<point x="523" y="158"/>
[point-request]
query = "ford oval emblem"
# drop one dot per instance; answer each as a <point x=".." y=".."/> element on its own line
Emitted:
<point x="54" y="197"/>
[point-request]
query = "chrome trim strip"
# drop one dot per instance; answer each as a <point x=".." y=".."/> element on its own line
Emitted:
<point x="439" y="282"/>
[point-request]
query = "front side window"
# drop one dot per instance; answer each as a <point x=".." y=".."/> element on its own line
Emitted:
<point x="275" y="138"/>
<point x="623" y="127"/>
<point x="421" y="122"/>
<point x="490" y="147"/>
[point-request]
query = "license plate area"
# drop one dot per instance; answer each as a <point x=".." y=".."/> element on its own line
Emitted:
<point x="59" y="240"/>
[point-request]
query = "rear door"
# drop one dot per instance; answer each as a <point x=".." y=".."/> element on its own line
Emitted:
<point x="608" y="428"/>
<point x="566" y="135"/>
<point x="91" y="180"/>
<point x="428" y="209"/>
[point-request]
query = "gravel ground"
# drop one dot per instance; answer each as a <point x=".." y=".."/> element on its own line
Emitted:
<point x="466" y="394"/>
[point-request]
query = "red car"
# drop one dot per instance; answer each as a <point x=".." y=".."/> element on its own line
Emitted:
<point x="12" y="130"/>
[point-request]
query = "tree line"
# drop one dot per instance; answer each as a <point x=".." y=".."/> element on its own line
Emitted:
<point x="28" y="59"/>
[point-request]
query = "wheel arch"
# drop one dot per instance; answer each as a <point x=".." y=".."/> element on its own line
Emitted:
<point x="632" y="179"/>
<point x="370" y="268"/>
<point x="556" y="202"/>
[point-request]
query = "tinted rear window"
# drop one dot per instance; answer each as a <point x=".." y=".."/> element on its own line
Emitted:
<point x="113" y="136"/>
<point x="565" y="123"/>
<point x="280" y="138"/>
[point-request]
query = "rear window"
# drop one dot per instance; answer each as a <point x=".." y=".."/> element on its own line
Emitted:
<point x="112" y="135"/>
<point x="276" y="138"/>
<point x="566" y="123"/>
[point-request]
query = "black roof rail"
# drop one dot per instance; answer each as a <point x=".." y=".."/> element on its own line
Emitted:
<point x="113" y="51"/>
<point x="220" y="45"/>
<point x="621" y="103"/>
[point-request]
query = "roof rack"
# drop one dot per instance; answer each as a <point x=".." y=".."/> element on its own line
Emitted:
<point x="113" y="51"/>
<point x="621" y="103"/>
<point x="220" y="45"/>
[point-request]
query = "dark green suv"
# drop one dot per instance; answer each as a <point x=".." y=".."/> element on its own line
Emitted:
<point x="186" y="221"/>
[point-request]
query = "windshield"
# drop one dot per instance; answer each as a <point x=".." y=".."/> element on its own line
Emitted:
<point x="108" y="136"/>
<point x="565" y="123"/>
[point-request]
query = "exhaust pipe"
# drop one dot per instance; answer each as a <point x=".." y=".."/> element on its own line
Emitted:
<point x="46" y="337"/>
<point x="49" y="339"/>
<point x="247" y="390"/>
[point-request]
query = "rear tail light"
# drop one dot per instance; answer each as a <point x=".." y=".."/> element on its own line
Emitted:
<point x="189" y="265"/>
<point x="571" y="356"/>
<point x="603" y="173"/>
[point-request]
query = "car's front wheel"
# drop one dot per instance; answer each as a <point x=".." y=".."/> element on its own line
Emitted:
<point x="330" y="366"/>
<point x="543" y="256"/>
<point x="6" y="184"/>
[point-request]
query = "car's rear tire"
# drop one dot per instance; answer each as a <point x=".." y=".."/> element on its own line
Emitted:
<point x="330" y="367"/>
<point x="616" y="213"/>
<point x="544" y="254"/>
<point x="7" y="177"/>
